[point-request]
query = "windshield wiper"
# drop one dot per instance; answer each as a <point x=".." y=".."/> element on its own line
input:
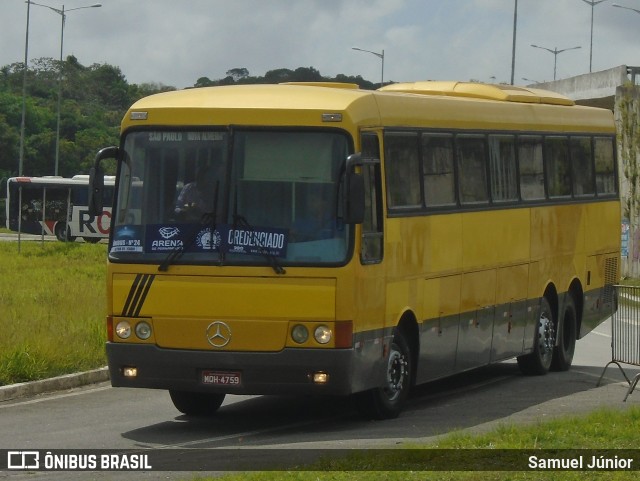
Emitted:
<point x="174" y="255"/>
<point x="239" y="220"/>
<point x="207" y="218"/>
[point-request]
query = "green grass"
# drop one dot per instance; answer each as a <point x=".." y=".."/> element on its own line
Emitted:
<point x="600" y="430"/>
<point x="52" y="309"/>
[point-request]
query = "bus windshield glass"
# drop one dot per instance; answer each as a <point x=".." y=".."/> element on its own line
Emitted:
<point x="241" y="197"/>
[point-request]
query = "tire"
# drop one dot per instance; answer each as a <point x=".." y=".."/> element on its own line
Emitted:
<point x="196" y="403"/>
<point x="539" y="361"/>
<point x="63" y="233"/>
<point x="567" y="331"/>
<point x="386" y="402"/>
<point x="92" y="240"/>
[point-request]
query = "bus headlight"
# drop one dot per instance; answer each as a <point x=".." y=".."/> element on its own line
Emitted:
<point x="300" y="334"/>
<point x="322" y="334"/>
<point x="143" y="330"/>
<point x="123" y="330"/>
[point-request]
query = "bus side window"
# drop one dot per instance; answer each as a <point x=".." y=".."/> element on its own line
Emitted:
<point x="558" y="170"/>
<point x="531" y="167"/>
<point x="472" y="169"/>
<point x="582" y="166"/>
<point x="605" y="166"/>
<point x="402" y="169"/>
<point x="372" y="232"/>
<point x="437" y="165"/>
<point x="502" y="162"/>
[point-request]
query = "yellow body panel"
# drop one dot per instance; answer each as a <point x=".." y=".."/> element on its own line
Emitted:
<point x="257" y="309"/>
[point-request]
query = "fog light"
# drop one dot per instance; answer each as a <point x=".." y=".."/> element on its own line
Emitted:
<point x="143" y="330"/>
<point x="320" y="377"/>
<point x="300" y="334"/>
<point x="123" y="330"/>
<point x="322" y="334"/>
<point x="130" y="372"/>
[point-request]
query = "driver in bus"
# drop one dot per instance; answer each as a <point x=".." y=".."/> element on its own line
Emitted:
<point x="197" y="198"/>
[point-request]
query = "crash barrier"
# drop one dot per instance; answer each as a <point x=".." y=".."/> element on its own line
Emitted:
<point x="625" y="332"/>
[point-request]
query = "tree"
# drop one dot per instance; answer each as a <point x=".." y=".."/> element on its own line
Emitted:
<point x="95" y="99"/>
<point x="238" y="74"/>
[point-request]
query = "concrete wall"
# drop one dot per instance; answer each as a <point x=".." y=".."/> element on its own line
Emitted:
<point x="589" y="86"/>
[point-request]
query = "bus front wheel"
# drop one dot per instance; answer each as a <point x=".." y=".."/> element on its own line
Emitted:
<point x="196" y="403"/>
<point x="538" y="362"/>
<point x="386" y="402"/>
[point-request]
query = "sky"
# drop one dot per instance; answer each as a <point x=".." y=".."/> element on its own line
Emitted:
<point x="176" y="42"/>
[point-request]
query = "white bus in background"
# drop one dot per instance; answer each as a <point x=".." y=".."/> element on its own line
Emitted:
<point x="57" y="206"/>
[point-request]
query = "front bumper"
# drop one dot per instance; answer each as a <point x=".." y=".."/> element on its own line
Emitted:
<point x="289" y="371"/>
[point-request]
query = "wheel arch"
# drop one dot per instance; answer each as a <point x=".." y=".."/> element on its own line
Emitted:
<point x="551" y="294"/>
<point x="408" y="325"/>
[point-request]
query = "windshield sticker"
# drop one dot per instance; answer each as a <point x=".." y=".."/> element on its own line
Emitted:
<point x="127" y="238"/>
<point x="257" y="241"/>
<point x="208" y="240"/>
<point x="165" y="238"/>
<point x="198" y="238"/>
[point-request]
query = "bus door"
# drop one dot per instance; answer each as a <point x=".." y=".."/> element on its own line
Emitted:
<point x="370" y="282"/>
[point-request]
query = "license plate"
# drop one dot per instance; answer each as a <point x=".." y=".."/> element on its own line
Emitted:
<point x="222" y="378"/>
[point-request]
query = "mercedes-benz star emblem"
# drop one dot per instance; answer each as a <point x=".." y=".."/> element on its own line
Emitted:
<point x="218" y="334"/>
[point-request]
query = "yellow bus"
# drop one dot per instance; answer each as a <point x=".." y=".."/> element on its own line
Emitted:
<point x="319" y="239"/>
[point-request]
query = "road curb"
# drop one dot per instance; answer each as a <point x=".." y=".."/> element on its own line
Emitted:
<point x="68" y="381"/>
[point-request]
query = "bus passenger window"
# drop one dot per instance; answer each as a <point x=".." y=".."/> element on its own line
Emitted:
<point x="604" y="160"/>
<point x="502" y="162"/>
<point x="531" y="168"/>
<point x="556" y="157"/>
<point x="402" y="170"/>
<point x="472" y="167"/>
<point x="437" y="165"/>
<point x="582" y="166"/>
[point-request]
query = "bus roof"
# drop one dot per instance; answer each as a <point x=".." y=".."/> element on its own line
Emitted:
<point x="461" y="105"/>
<point x="508" y="93"/>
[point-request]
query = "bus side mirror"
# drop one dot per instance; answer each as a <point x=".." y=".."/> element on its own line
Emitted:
<point x="96" y="180"/>
<point x="354" y="208"/>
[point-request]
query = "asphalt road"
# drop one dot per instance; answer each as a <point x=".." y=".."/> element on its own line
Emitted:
<point x="101" y="417"/>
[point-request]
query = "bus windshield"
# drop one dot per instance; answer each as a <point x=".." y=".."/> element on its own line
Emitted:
<point x="257" y="197"/>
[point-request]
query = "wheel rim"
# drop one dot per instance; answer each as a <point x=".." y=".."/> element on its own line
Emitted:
<point x="546" y="338"/>
<point x="396" y="374"/>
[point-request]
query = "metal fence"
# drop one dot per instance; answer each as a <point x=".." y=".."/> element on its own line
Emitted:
<point x="625" y="333"/>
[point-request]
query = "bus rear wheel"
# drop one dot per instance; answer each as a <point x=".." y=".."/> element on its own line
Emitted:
<point x="196" y="403"/>
<point x="563" y="352"/>
<point x="539" y="361"/>
<point x="386" y="402"/>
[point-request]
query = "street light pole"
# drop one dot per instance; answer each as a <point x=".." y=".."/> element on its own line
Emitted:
<point x="513" y="50"/>
<point x="380" y="56"/>
<point x="63" y="15"/>
<point x="626" y="8"/>
<point x="24" y="94"/>
<point x="555" y="53"/>
<point x="593" y="4"/>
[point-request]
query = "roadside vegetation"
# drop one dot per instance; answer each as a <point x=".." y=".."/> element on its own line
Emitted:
<point x="601" y="430"/>
<point x="52" y="308"/>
